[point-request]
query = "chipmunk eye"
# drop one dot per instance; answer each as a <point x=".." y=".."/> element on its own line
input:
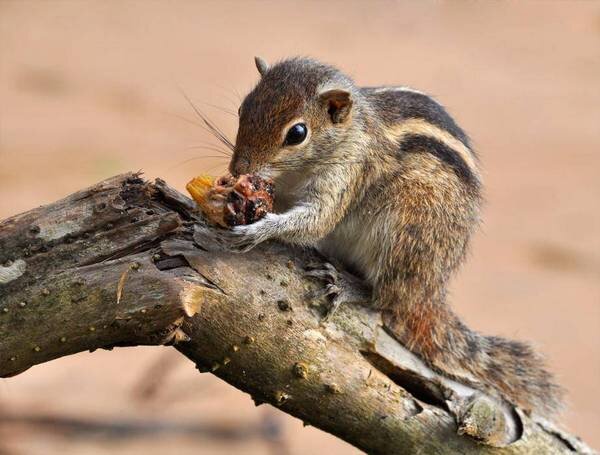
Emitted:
<point x="296" y="134"/>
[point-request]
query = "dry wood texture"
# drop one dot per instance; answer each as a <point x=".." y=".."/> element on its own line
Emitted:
<point x="116" y="265"/>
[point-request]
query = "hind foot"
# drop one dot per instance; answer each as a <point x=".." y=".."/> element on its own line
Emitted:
<point x="338" y="287"/>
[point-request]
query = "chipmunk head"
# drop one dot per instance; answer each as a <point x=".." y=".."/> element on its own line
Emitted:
<point x="294" y="117"/>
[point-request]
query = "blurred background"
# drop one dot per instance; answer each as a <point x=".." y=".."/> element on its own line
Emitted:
<point x="91" y="89"/>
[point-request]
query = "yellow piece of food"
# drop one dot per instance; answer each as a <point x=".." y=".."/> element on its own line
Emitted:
<point x="198" y="187"/>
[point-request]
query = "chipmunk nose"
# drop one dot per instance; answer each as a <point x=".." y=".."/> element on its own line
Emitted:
<point x="239" y="166"/>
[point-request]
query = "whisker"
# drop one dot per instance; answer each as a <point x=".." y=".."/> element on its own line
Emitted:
<point x="230" y="91"/>
<point x="189" y="160"/>
<point x="209" y="156"/>
<point x="213" y="167"/>
<point x="180" y="117"/>
<point x="238" y="94"/>
<point x="298" y="163"/>
<point x="210" y="147"/>
<point x="185" y="119"/>
<point x="217" y="145"/>
<point x="211" y="126"/>
<point x="222" y="109"/>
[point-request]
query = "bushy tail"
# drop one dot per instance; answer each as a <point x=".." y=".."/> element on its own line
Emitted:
<point x="509" y="367"/>
<point x="519" y="372"/>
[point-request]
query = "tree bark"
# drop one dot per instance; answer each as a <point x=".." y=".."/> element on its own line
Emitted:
<point x="116" y="265"/>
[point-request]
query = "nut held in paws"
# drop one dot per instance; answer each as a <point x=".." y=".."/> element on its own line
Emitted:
<point x="227" y="201"/>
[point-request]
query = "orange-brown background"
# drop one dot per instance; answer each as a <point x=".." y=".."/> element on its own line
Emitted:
<point x="90" y="89"/>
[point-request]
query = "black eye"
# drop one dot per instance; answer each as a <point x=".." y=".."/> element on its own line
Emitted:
<point x="296" y="134"/>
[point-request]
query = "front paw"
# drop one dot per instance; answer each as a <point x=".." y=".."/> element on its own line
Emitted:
<point x="237" y="240"/>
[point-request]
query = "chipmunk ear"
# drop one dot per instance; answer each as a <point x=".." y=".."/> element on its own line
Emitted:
<point x="261" y="65"/>
<point x="338" y="104"/>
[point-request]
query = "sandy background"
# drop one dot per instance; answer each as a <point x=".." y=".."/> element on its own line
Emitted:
<point x="90" y="89"/>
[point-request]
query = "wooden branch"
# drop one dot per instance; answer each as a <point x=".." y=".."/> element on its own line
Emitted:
<point x="116" y="265"/>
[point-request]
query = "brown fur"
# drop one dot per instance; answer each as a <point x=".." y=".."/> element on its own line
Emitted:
<point x="387" y="184"/>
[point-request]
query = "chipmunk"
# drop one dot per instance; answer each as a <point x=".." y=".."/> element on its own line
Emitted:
<point x="384" y="181"/>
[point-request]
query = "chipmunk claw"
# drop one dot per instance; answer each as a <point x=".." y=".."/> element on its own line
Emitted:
<point x="323" y="271"/>
<point x="239" y="239"/>
<point x="338" y="287"/>
<point x="328" y="290"/>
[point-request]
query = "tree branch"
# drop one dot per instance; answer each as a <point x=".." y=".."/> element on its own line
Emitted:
<point x="116" y="265"/>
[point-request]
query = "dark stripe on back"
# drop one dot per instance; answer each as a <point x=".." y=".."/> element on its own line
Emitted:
<point x="395" y="106"/>
<point x="414" y="143"/>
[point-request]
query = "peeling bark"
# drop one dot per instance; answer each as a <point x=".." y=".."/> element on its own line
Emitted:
<point x="116" y="265"/>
